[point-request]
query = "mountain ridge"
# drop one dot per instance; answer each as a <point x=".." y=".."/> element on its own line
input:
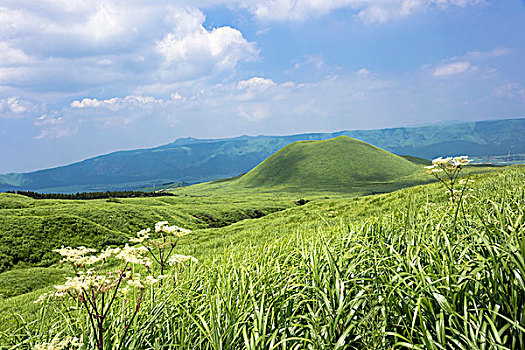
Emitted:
<point x="190" y="160"/>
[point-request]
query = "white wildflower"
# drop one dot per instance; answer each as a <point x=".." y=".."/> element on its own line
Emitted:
<point x="134" y="255"/>
<point x="142" y="235"/>
<point x="150" y="280"/>
<point x="136" y="282"/>
<point x="42" y="298"/>
<point x="56" y="344"/>
<point x="160" y="225"/>
<point x="125" y="291"/>
<point x="465" y="182"/>
<point x="179" y="259"/>
<point x="77" y="255"/>
<point x="176" y="230"/>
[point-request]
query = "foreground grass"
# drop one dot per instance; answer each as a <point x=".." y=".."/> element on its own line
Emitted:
<point x="400" y="270"/>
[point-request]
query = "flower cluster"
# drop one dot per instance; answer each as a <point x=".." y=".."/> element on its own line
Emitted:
<point x="137" y="282"/>
<point x="180" y="259"/>
<point x="161" y="249"/>
<point x="134" y="255"/>
<point x="90" y="285"/>
<point x="79" y="257"/>
<point x="162" y="226"/>
<point x="449" y="163"/>
<point x="142" y="235"/>
<point x="447" y="171"/>
<point x="56" y="344"/>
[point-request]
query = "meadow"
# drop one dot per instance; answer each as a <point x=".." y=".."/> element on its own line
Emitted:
<point x="397" y="270"/>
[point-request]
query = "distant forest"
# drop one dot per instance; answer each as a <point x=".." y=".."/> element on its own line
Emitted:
<point x="91" y="195"/>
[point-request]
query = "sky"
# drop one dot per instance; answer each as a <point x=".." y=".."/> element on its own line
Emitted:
<point x="82" y="78"/>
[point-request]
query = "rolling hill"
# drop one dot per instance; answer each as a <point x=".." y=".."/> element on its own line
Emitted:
<point x="328" y="164"/>
<point x="190" y="160"/>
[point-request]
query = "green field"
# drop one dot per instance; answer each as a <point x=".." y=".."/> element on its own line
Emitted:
<point x="32" y="228"/>
<point x="399" y="270"/>
<point x="326" y="244"/>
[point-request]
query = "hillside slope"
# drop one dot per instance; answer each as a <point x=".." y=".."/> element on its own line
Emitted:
<point x="335" y="271"/>
<point x="328" y="164"/>
<point x="31" y="228"/>
<point x="192" y="160"/>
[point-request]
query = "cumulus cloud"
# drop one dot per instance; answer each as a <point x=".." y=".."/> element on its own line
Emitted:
<point x="469" y="62"/>
<point x="15" y="107"/>
<point x="95" y="21"/>
<point x="118" y="103"/>
<point x="91" y="113"/>
<point x="191" y="47"/>
<point x="255" y="83"/>
<point x="454" y="68"/>
<point x="54" y="126"/>
<point x="377" y="11"/>
<point x="74" y="46"/>
<point x="12" y="56"/>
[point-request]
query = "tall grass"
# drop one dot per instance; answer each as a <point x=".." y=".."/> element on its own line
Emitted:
<point x="425" y="276"/>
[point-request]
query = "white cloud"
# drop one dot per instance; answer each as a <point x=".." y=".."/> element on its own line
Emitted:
<point x="454" y="68"/>
<point x="105" y="23"/>
<point x="377" y="11"/>
<point x="92" y="113"/>
<point x="118" y="103"/>
<point x="255" y="83"/>
<point x="190" y="46"/>
<point x="469" y="62"/>
<point x="105" y="62"/>
<point x="363" y="72"/>
<point x="254" y="112"/>
<point x="259" y="105"/>
<point x="54" y="126"/>
<point x="497" y="52"/>
<point x="511" y="90"/>
<point x="311" y="60"/>
<point x="96" y="21"/>
<point x="12" y="56"/>
<point x="15" y="107"/>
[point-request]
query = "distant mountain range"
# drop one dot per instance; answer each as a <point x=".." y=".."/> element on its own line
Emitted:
<point x="190" y="160"/>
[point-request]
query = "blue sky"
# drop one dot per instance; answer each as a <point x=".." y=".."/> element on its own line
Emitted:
<point x="81" y="78"/>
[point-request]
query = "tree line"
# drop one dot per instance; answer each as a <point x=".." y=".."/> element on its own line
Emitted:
<point x="91" y="195"/>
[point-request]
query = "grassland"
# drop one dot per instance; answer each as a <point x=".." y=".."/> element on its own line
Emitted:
<point x="32" y="228"/>
<point x="397" y="270"/>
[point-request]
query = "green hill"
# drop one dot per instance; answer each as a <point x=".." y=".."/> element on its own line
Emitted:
<point x="330" y="164"/>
